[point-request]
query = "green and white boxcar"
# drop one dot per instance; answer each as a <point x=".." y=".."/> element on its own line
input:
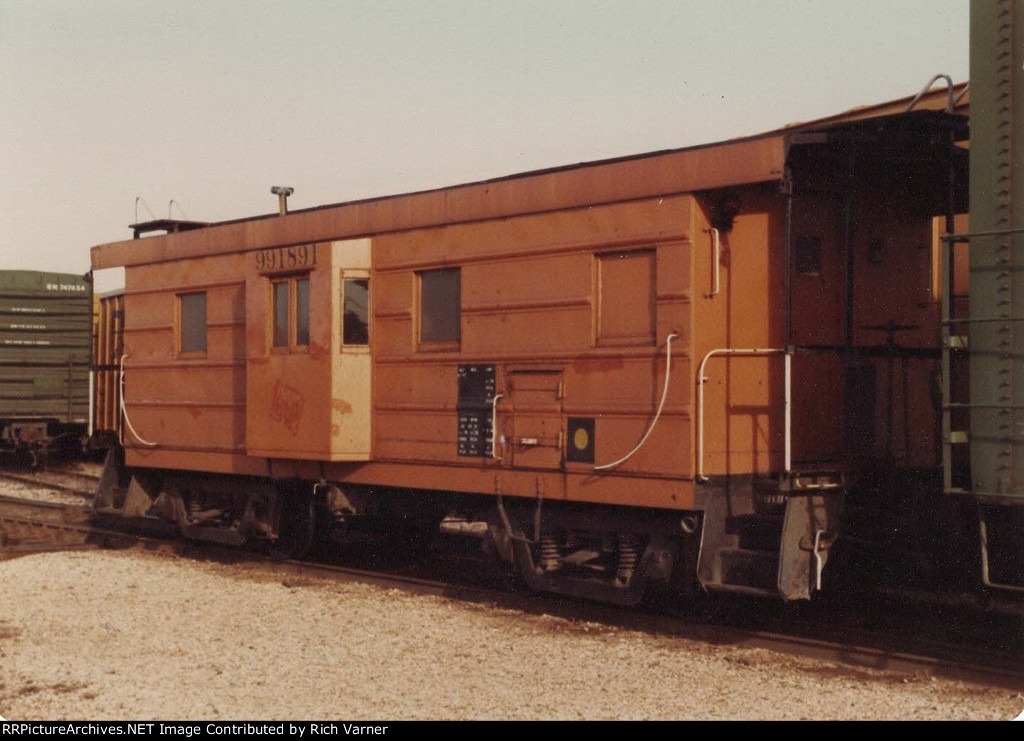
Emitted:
<point x="45" y="359"/>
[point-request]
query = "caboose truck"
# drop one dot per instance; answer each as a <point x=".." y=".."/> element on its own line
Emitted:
<point x="708" y="368"/>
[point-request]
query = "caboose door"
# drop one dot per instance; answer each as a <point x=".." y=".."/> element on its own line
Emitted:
<point x="535" y="398"/>
<point x="308" y="367"/>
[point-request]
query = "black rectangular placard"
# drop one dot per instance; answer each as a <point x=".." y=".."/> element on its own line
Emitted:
<point x="476" y="394"/>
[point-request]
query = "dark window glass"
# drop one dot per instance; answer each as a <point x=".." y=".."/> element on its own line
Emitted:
<point x="355" y="312"/>
<point x="808" y="255"/>
<point x="302" y="311"/>
<point x="281" y="314"/>
<point x="193" y="322"/>
<point x="441" y="305"/>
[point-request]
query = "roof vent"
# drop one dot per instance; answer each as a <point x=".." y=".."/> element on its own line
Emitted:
<point x="282" y="193"/>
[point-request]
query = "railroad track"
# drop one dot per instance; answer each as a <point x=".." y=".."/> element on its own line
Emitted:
<point x="851" y="648"/>
<point x="72" y="483"/>
<point x="964" y="642"/>
<point x="32" y="526"/>
<point x="28" y="527"/>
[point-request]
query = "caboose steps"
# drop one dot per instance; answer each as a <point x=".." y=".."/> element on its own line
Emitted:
<point x="770" y="536"/>
<point x="753" y="563"/>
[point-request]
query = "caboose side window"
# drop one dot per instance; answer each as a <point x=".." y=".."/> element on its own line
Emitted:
<point x="281" y="314"/>
<point x="808" y="255"/>
<point x="355" y="311"/>
<point x="441" y="305"/>
<point x="192" y="323"/>
<point x="290" y="298"/>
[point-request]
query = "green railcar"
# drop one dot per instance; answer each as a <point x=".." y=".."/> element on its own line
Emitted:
<point x="46" y="326"/>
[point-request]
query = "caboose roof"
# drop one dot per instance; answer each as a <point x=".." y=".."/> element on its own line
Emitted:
<point x="749" y="160"/>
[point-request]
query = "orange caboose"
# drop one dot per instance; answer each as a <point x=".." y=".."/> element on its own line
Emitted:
<point x="659" y="370"/>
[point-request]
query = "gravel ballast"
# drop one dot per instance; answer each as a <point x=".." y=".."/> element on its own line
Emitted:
<point x="127" y="635"/>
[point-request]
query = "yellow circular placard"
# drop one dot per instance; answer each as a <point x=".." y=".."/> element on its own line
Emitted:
<point x="580" y="439"/>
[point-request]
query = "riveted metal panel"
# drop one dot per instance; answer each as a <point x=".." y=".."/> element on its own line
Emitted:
<point x="997" y="260"/>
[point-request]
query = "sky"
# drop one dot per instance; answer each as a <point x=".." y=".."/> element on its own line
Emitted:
<point x="117" y="111"/>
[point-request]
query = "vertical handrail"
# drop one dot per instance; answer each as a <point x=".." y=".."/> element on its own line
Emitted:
<point x="819" y="563"/>
<point x="787" y="424"/>
<point x="494" y="427"/>
<point x="716" y="261"/>
<point x="947" y="273"/>
<point x="92" y="403"/>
